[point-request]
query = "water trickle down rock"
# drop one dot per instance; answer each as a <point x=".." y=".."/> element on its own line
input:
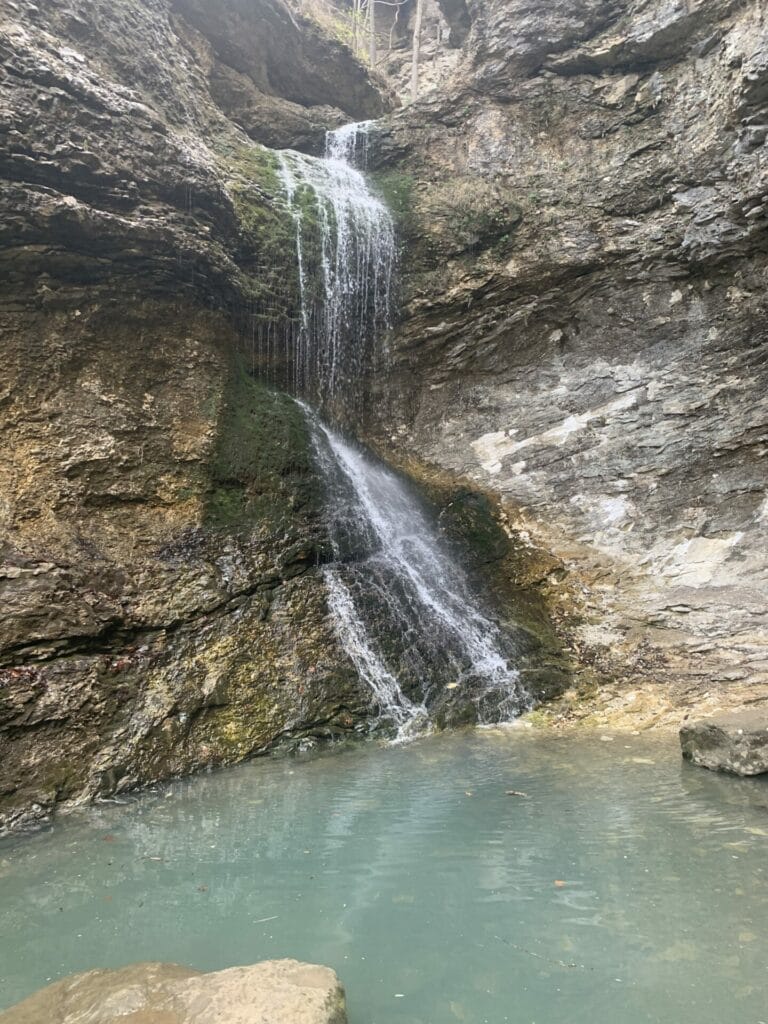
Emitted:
<point x="345" y="257"/>
<point x="400" y="604"/>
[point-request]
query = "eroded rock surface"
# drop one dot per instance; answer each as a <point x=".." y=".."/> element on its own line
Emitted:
<point x="735" y="743"/>
<point x="278" y="991"/>
<point x="585" y="332"/>
<point x="159" y="527"/>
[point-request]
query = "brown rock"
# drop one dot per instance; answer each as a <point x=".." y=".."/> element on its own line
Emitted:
<point x="278" y="991"/>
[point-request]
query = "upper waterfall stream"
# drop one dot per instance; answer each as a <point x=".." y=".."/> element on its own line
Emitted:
<point x="402" y="607"/>
<point x="345" y="258"/>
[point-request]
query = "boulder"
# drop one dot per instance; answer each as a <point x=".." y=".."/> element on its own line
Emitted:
<point x="735" y="743"/>
<point x="276" y="991"/>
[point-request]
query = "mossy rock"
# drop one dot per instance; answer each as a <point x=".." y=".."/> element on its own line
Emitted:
<point x="497" y="562"/>
<point x="396" y="189"/>
<point x="462" y="216"/>
<point x="262" y="470"/>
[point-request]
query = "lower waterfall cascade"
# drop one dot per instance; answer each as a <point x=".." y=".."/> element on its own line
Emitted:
<point x="400" y="602"/>
<point x="401" y="605"/>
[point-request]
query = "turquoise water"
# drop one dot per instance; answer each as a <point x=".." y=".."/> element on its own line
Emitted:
<point x="625" y="887"/>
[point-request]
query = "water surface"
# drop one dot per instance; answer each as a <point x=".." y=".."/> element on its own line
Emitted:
<point x="624" y="887"/>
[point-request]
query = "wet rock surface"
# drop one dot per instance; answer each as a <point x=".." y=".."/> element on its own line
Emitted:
<point x="586" y="338"/>
<point x="278" y="991"/>
<point x="736" y="743"/>
<point x="161" y="526"/>
<point x="583" y="215"/>
<point x="159" y="518"/>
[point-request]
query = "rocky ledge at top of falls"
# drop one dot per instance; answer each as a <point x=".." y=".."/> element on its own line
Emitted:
<point x="280" y="991"/>
<point x="585" y="216"/>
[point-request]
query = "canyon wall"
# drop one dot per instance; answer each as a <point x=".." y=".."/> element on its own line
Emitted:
<point x="160" y="524"/>
<point x="584" y="212"/>
<point x="580" y="364"/>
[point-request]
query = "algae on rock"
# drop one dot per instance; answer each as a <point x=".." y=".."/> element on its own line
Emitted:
<point x="158" y="527"/>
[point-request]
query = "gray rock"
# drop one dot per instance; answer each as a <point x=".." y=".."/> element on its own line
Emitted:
<point x="278" y="991"/>
<point x="735" y="743"/>
<point x="589" y="343"/>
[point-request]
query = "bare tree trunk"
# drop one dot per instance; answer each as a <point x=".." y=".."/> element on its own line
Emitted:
<point x="355" y="27"/>
<point x="372" y="32"/>
<point x="416" y="50"/>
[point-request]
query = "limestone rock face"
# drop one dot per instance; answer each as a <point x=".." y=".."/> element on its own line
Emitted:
<point x="286" y="56"/>
<point x="278" y="991"/>
<point x="586" y="334"/>
<point x="162" y="609"/>
<point x="735" y="743"/>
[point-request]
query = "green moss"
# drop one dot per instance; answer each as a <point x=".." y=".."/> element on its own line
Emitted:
<point x="267" y="238"/>
<point x="396" y="188"/>
<point x="266" y="256"/>
<point x="262" y="467"/>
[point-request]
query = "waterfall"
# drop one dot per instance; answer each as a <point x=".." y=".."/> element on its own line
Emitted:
<point x="350" y="144"/>
<point x="402" y="607"/>
<point x="345" y="254"/>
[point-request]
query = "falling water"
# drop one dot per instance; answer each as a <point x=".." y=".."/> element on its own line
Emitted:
<point x="350" y="144"/>
<point x="345" y="254"/>
<point x="402" y="608"/>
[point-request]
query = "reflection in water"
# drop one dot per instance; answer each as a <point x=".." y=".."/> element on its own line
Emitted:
<point x="624" y="887"/>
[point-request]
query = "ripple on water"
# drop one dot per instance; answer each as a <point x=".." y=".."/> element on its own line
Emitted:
<point x="623" y="886"/>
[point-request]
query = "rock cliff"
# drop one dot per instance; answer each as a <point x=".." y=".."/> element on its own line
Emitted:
<point x="584" y="213"/>
<point x="159" y="526"/>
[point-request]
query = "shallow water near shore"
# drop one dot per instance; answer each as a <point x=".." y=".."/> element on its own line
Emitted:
<point x="623" y="887"/>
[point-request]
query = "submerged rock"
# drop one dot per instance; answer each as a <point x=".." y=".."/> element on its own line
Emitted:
<point x="735" y="743"/>
<point x="278" y="991"/>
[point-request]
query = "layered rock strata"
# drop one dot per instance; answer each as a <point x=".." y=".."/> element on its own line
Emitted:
<point x="161" y="524"/>
<point x="159" y="516"/>
<point x="585" y="217"/>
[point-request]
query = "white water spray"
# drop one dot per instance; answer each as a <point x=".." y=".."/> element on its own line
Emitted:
<point x="345" y="252"/>
<point x="402" y="608"/>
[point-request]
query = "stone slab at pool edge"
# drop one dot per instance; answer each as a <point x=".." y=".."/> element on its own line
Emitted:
<point x="272" y="992"/>
<point x="736" y="743"/>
